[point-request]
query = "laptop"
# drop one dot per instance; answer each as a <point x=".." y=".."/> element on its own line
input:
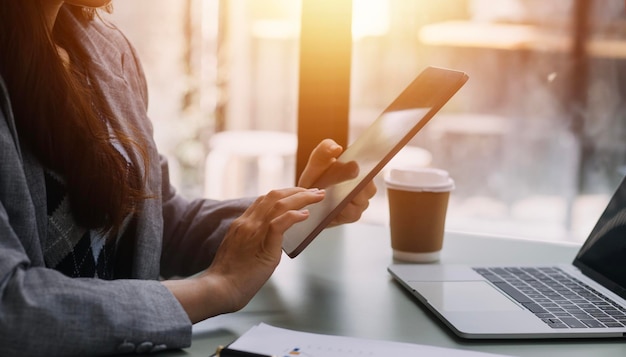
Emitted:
<point x="586" y="298"/>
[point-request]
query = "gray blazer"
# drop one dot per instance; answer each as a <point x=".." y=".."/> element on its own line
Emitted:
<point x="44" y="313"/>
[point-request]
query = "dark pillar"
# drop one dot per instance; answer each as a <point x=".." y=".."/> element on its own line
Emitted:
<point x="324" y="87"/>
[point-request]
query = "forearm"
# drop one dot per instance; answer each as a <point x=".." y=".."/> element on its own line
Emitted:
<point x="202" y="296"/>
<point x="42" y="305"/>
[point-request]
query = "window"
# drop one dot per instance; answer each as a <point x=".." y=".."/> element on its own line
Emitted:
<point x="177" y="44"/>
<point x="534" y="140"/>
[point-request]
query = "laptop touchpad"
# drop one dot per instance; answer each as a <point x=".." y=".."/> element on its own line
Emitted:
<point x="463" y="296"/>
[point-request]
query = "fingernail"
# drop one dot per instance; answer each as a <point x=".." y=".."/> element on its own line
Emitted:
<point x="317" y="190"/>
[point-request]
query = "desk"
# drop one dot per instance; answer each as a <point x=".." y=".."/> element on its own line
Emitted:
<point x="339" y="285"/>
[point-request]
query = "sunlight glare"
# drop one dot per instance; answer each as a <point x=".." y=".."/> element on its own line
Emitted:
<point x="370" y="18"/>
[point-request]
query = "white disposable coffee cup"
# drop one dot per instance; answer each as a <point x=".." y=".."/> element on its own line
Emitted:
<point x="418" y="202"/>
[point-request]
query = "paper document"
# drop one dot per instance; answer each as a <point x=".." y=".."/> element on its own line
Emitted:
<point x="273" y="341"/>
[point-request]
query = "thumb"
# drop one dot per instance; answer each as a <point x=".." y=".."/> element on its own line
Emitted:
<point x="338" y="172"/>
<point x="322" y="157"/>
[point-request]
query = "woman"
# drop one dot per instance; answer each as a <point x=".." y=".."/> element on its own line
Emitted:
<point x="88" y="220"/>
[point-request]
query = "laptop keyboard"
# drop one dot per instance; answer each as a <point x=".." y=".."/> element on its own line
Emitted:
<point x="557" y="298"/>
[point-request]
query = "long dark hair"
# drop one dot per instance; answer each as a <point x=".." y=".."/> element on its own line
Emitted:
<point x="62" y="120"/>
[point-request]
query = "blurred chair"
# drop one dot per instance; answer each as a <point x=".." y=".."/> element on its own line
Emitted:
<point x="249" y="163"/>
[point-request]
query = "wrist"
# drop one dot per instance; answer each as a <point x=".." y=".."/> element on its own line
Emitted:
<point x="222" y="291"/>
<point x="202" y="296"/>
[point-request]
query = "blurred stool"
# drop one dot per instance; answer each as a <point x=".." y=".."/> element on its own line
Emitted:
<point x="249" y="163"/>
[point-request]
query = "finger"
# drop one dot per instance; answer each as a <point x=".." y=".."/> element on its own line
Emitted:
<point x="351" y="213"/>
<point x="279" y="225"/>
<point x="256" y="219"/>
<point x="293" y="202"/>
<point x="368" y="191"/>
<point x="354" y="210"/>
<point x="283" y="214"/>
<point x="299" y="200"/>
<point x="338" y="172"/>
<point x="265" y="201"/>
<point x="278" y="202"/>
<point x="321" y="158"/>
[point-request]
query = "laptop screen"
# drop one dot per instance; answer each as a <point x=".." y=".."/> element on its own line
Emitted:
<point x="603" y="256"/>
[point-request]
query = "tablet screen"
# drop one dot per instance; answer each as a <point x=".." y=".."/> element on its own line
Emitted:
<point x="373" y="149"/>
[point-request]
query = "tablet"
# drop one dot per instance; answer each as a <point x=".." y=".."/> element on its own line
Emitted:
<point x="373" y="149"/>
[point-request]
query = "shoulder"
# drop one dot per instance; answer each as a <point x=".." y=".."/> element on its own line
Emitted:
<point x="110" y="51"/>
<point x="98" y="35"/>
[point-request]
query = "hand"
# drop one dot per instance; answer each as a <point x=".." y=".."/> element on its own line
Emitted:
<point x="323" y="158"/>
<point x="247" y="256"/>
<point x="252" y="248"/>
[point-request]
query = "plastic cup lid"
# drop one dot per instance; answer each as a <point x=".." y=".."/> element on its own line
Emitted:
<point x="419" y="180"/>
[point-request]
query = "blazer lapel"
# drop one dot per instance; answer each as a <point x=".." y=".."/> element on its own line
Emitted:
<point x="33" y="172"/>
<point x="116" y="77"/>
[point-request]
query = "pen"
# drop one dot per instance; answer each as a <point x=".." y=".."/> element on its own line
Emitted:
<point x="228" y="352"/>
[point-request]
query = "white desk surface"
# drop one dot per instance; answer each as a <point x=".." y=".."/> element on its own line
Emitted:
<point x="339" y="285"/>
